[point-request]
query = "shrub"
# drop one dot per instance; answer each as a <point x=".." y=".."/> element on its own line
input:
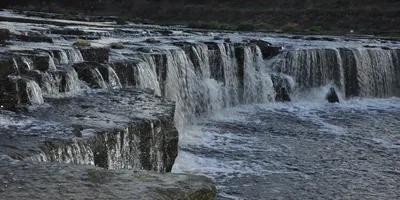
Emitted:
<point x="263" y="26"/>
<point x="245" y="26"/>
<point x="213" y="25"/>
<point x="290" y="27"/>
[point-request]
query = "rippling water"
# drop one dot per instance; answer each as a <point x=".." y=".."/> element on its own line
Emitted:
<point x="300" y="150"/>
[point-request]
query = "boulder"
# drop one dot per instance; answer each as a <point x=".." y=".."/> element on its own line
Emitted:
<point x="332" y="96"/>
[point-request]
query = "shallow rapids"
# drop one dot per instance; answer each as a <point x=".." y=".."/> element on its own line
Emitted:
<point x="299" y="150"/>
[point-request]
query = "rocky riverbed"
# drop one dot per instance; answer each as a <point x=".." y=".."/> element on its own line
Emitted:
<point x="97" y="103"/>
<point x="70" y="128"/>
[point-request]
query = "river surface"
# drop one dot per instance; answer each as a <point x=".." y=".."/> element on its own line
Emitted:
<point x="299" y="150"/>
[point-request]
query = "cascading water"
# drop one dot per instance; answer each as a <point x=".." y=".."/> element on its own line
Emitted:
<point x="113" y="78"/>
<point x="34" y="92"/>
<point x="51" y="83"/>
<point x="229" y="62"/>
<point x="68" y="56"/>
<point x="376" y="72"/>
<point x="353" y="71"/>
<point x="147" y="75"/>
<point x="15" y="64"/>
<point x="28" y="62"/>
<point x="98" y="78"/>
<point x="73" y="84"/>
<point x="242" y="147"/>
<point x="52" y="65"/>
<point x="313" y="67"/>
<point x="63" y="57"/>
<point x="181" y="85"/>
<point x="258" y="86"/>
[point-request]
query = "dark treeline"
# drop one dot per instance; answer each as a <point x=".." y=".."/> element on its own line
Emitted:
<point x="267" y="4"/>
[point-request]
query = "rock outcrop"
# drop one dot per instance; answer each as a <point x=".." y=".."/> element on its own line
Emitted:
<point x="24" y="180"/>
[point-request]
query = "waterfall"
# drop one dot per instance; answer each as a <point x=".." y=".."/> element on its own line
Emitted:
<point x="28" y="62"/>
<point x="74" y="55"/>
<point x="16" y="66"/>
<point x="52" y="65"/>
<point x="68" y="56"/>
<point x="229" y="62"/>
<point x="51" y="83"/>
<point x="375" y="72"/>
<point x="147" y="75"/>
<point x="182" y="86"/>
<point x="98" y="78"/>
<point x="73" y="84"/>
<point x="200" y="53"/>
<point x="354" y="71"/>
<point x="34" y="92"/>
<point x="113" y="79"/>
<point x="313" y="67"/>
<point x="63" y="57"/>
<point x="258" y="86"/>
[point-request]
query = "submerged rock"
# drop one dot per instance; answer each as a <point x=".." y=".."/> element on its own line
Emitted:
<point x="332" y="96"/>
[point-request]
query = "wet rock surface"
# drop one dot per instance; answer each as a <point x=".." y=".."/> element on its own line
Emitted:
<point x="29" y="180"/>
<point x="108" y="135"/>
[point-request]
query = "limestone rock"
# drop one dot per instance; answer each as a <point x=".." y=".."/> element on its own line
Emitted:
<point x="35" y="38"/>
<point x="23" y="180"/>
<point x="95" y="54"/>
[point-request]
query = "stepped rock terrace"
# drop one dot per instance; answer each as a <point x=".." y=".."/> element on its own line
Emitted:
<point x="85" y="96"/>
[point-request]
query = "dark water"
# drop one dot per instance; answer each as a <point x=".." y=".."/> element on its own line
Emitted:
<point x="303" y="150"/>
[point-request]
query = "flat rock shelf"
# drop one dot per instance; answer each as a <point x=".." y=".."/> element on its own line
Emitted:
<point x="27" y="180"/>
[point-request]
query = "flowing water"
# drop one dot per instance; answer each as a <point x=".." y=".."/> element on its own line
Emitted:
<point x="232" y="129"/>
<point x="307" y="148"/>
